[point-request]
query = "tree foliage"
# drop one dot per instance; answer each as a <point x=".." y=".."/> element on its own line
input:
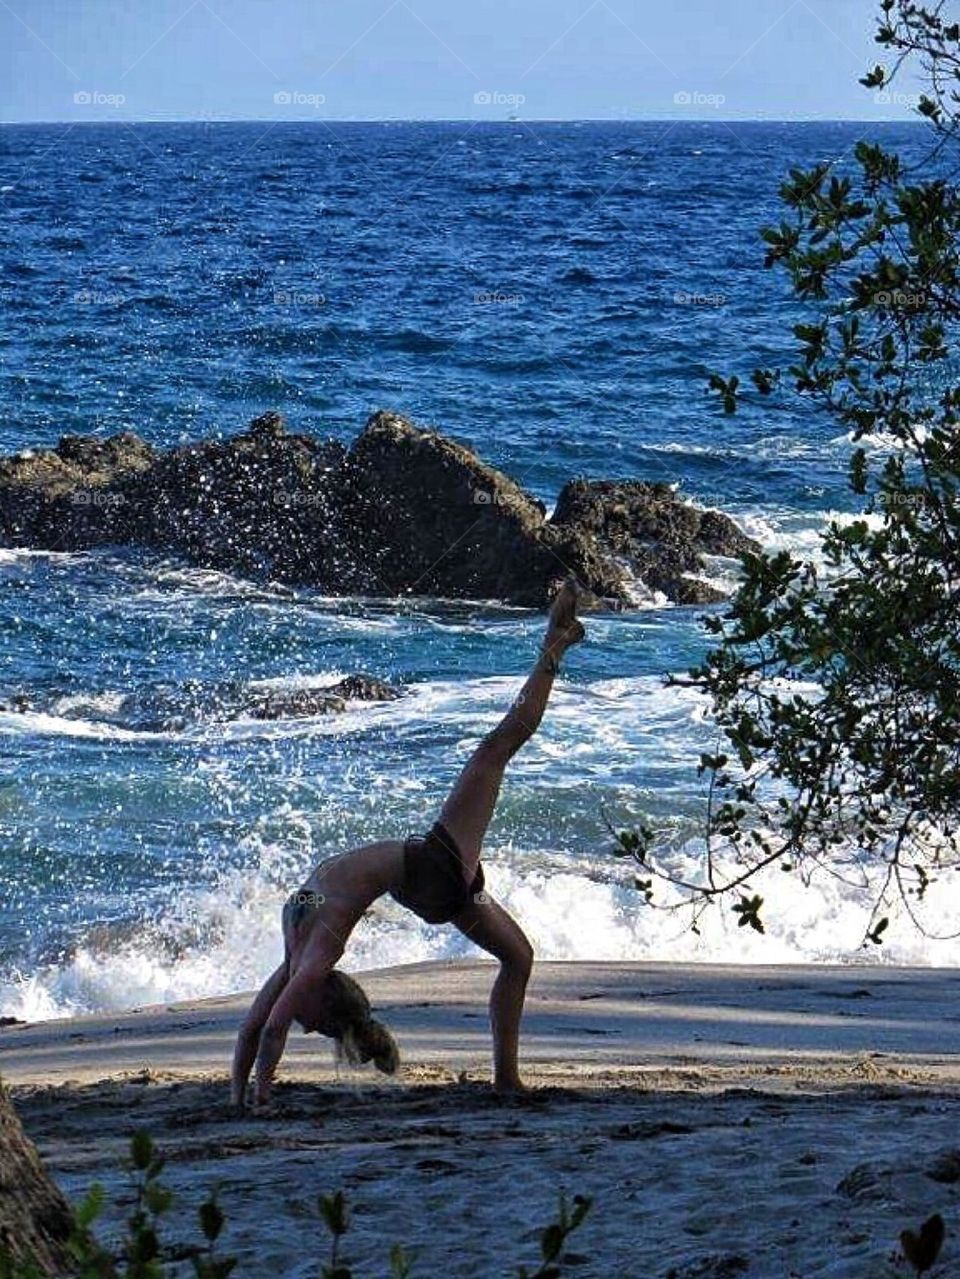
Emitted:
<point x="835" y="688"/>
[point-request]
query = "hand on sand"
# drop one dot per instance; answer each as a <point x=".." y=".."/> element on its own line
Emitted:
<point x="563" y="628"/>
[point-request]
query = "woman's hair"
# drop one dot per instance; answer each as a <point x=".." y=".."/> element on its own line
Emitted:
<point x="360" y="1037"/>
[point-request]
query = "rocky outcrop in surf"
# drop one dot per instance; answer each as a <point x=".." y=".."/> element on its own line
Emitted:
<point x="402" y="511"/>
<point x="174" y="707"/>
<point x="661" y="538"/>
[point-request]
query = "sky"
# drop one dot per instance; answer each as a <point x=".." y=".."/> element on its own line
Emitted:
<point x="440" y="59"/>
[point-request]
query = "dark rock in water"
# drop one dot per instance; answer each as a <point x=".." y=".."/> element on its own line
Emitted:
<point x="722" y="1266"/>
<point x="18" y="703"/>
<point x="422" y="514"/>
<point x="299" y="703"/>
<point x="292" y="703"/>
<point x="365" y="688"/>
<point x="945" y="1167"/>
<point x="262" y="504"/>
<point x="659" y="536"/>
<point x="66" y="498"/>
<point x="269" y="425"/>
<point x="405" y="511"/>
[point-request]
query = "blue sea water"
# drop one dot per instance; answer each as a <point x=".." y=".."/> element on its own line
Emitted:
<point x="556" y="296"/>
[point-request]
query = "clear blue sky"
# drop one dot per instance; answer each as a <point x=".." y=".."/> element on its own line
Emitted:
<point x="447" y="59"/>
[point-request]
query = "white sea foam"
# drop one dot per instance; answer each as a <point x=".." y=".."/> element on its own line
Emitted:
<point x="20" y="554"/>
<point x="568" y="909"/>
<point x="36" y="723"/>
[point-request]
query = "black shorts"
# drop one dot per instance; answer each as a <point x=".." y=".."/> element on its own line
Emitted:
<point x="433" y="884"/>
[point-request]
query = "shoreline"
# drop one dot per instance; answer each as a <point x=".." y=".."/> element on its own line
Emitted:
<point x="768" y="1121"/>
<point x="579" y="1013"/>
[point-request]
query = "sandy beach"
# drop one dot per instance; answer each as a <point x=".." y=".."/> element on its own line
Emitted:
<point x="781" y="1123"/>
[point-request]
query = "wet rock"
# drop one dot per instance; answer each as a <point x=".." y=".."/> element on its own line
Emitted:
<point x="365" y="688"/>
<point x="301" y="703"/>
<point x="867" y="1183"/>
<point x="67" y="498"/>
<point x="17" y="703"/>
<point x="720" y="1266"/>
<point x="293" y="703"/>
<point x="945" y="1167"/>
<point x="660" y="537"/>
<point x="423" y="514"/>
<point x="404" y="511"/>
<point x="261" y="504"/>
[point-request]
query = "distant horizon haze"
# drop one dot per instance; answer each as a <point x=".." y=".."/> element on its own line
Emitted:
<point x="386" y="60"/>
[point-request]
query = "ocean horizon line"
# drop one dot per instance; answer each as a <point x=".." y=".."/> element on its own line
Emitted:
<point x="610" y="120"/>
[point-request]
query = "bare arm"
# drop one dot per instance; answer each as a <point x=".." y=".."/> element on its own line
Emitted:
<point x="249" y="1037"/>
<point x="273" y="1037"/>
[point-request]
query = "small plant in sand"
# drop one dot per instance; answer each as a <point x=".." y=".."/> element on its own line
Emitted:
<point x="553" y="1240"/>
<point x="140" y="1252"/>
<point x="336" y="1217"/>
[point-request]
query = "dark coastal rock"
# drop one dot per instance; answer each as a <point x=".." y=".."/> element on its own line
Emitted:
<point x="67" y="498"/>
<point x="300" y="703"/>
<point x="661" y="538"/>
<point x="261" y="504"/>
<point x="404" y="511"/>
<point x="423" y="514"/>
<point x="365" y="688"/>
<point x="304" y="703"/>
<point x="172" y="707"/>
<point x="36" y="1221"/>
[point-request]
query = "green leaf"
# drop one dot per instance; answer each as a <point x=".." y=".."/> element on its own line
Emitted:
<point x="141" y="1150"/>
<point x="333" y="1209"/>
<point x="551" y="1241"/>
<point x="90" y="1206"/>
<point x="876" y="935"/>
<point x="211" y="1219"/>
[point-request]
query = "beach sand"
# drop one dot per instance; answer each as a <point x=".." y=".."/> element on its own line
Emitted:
<point x="779" y="1123"/>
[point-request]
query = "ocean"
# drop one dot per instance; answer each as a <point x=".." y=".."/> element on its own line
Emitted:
<point x="554" y="295"/>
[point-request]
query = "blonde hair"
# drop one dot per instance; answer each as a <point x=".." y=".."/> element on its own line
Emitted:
<point x="360" y="1037"/>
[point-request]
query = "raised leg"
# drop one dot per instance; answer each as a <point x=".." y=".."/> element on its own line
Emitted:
<point x="488" y="925"/>
<point x="467" y="811"/>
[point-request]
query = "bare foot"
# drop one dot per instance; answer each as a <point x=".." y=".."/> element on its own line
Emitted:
<point x="563" y="629"/>
<point x="510" y="1087"/>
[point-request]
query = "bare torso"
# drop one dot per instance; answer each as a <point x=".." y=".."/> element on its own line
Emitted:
<point x="330" y="903"/>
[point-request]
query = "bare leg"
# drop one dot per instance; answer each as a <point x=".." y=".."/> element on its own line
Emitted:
<point x="469" y="807"/>
<point x="488" y="925"/>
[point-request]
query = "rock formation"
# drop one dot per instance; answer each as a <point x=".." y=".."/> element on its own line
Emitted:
<point x="403" y="511"/>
